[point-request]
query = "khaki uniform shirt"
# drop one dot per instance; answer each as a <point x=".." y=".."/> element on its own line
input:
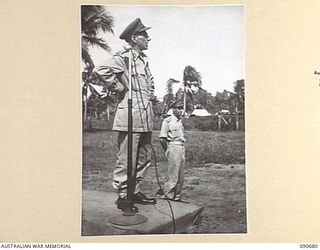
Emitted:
<point x="172" y="129"/>
<point x="115" y="71"/>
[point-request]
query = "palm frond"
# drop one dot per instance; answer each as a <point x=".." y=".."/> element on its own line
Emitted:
<point x="171" y="80"/>
<point x="169" y="87"/>
<point x="87" y="58"/>
<point x="168" y="99"/>
<point x="191" y="76"/>
<point x="190" y="96"/>
<point x="96" y="41"/>
<point x="106" y="22"/>
<point x="94" y="19"/>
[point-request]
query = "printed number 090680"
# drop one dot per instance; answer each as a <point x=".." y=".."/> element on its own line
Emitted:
<point x="308" y="245"/>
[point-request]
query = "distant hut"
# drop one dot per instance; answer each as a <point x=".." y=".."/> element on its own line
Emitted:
<point x="200" y="112"/>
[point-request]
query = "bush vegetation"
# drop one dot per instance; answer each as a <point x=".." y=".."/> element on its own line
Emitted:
<point x="209" y="123"/>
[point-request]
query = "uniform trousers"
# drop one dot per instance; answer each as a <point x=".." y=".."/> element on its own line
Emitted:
<point x="175" y="154"/>
<point x="141" y="160"/>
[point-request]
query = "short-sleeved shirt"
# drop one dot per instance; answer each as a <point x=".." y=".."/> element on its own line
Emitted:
<point x="172" y="129"/>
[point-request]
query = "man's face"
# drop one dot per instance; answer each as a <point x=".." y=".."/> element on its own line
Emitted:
<point x="177" y="112"/>
<point x="141" y="40"/>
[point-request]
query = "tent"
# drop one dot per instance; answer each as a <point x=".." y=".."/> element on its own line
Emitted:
<point x="200" y="112"/>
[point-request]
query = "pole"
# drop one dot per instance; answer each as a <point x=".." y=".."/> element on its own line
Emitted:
<point x="129" y="217"/>
<point x="129" y="167"/>
<point x="237" y="117"/>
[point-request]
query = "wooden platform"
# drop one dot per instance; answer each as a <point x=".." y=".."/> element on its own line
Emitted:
<point x="98" y="208"/>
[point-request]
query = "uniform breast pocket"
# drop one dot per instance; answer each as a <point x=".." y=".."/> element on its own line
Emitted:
<point x="176" y="131"/>
<point x="139" y="82"/>
<point x="139" y="67"/>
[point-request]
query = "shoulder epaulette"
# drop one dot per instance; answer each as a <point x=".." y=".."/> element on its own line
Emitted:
<point x="121" y="53"/>
<point x="168" y="119"/>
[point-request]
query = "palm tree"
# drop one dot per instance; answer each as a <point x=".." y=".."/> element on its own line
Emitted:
<point x="191" y="77"/>
<point x="203" y="99"/>
<point x="168" y="99"/>
<point x="94" y="19"/>
<point x="186" y="97"/>
<point x="238" y="99"/>
<point x="108" y="101"/>
<point x="102" y="102"/>
<point x="239" y="90"/>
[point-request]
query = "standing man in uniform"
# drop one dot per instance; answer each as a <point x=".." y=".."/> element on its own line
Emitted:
<point x="172" y="141"/>
<point x="114" y="74"/>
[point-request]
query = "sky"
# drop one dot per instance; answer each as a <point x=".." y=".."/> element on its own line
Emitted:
<point x="209" y="38"/>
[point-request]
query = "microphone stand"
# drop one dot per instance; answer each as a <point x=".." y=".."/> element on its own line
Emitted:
<point x="129" y="217"/>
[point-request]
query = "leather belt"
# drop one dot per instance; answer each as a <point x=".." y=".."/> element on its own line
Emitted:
<point x="177" y="143"/>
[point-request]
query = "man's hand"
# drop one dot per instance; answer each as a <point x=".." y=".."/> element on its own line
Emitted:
<point x="152" y="97"/>
<point x="164" y="143"/>
<point x="116" y="86"/>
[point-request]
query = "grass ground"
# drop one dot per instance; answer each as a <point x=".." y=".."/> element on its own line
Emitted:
<point x="215" y="174"/>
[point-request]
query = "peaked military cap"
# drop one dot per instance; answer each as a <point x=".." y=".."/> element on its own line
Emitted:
<point x="133" y="28"/>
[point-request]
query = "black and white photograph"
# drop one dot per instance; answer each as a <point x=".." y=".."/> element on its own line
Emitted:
<point x="160" y="122"/>
<point x="163" y="120"/>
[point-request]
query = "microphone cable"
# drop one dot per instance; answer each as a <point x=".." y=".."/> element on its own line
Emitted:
<point x="152" y="148"/>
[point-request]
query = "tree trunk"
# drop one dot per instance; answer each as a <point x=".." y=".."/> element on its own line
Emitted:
<point x="237" y="117"/>
<point x="108" y="113"/>
<point x="85" y="115"/>
<point x="184" y="99"/>
<point x="164" y="107"/>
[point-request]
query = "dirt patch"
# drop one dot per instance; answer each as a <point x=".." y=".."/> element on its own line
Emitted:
<point x="220" y="189"/>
